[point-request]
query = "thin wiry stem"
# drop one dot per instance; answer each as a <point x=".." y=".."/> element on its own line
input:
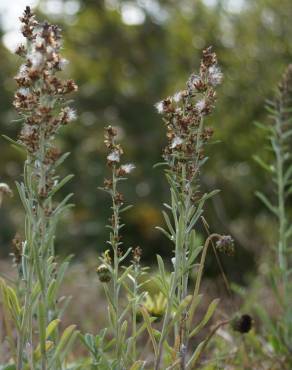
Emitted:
<point x="111" y="270"/>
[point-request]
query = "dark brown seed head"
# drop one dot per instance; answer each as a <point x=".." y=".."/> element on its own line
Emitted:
<point x="242" y="324"/>
<point x="103" y="273"/>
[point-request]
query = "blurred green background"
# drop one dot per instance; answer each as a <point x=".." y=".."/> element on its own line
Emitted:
<point x="127" y="55"/>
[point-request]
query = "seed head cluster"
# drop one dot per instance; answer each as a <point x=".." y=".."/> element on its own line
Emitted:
<point x="184" y="113"/>
<point x="225" y="245"/>
<point x="115" y="151"/>
<point x="40" y="95"/>
<point x="242" y="324"/>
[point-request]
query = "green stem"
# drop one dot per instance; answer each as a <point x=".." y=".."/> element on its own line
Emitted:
<point x="25" y="328"/>
<point x="134" y="315"/>
<point x="282" y="246"/>
<point x="116" y="288"/>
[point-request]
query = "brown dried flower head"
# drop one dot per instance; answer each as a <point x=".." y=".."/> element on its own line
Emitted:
<point x="40" y="96"/>
<point x="184" y="114"/>
<point x="103" y="273"/>
<point x="17" y="246"/>
<point x="137" y="254"/>
<point x="226" y="245"/>
<point x="114" y="154"/>
<point x="242" y="324"/>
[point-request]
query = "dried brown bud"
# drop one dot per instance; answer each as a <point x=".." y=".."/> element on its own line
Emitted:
<point x="225" y="245"/>
<point x="137" y="254"/>
<point x="17" y="246"/>
<point x="119" y="198"/>
<point x="242" y="324"/>
<point x="103" y="273"/>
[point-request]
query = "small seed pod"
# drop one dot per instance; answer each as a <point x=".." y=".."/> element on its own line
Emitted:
<point x="226" y="245"/>
<point x="103" y="273"/>
<point x="242" y="324"/>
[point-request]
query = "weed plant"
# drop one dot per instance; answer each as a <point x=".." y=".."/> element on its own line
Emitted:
<point x="279" y="134"/>
<point x="32" y="302"/>
<point x="163" y="331"/>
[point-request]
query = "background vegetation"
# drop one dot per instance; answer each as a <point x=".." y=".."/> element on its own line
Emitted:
<point x="127" y="55"/>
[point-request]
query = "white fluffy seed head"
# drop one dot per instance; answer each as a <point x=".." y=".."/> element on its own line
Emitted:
<point x="63" y="63"/>
<point x="193" y="80"/>
<point x="176" y="141"/>
<point x="23" y="91"/>
<point x="128" y="168"/>
<point x="215" y="75"/>
<point x="27" y="130"/>
<point x="201" y="104"/>
<point x="159" y="107"/>
<point x="39" y="40"/>
<point x="71" y="113"/>
<point x="114" y="156"/>
<point x="22" y="70"/>
<point x="177" y="97"/>
<point x="36" y="59"/>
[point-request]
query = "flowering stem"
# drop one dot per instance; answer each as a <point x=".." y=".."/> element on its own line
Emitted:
<point x="134" y="311"/>
<point x="40" y="102"/>
<point x="113" y="295"/>
<point x="115" y="244"/>
<point x="183" y="114"/>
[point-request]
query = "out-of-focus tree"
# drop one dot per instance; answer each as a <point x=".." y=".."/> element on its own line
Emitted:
<point x="126" y="55"/>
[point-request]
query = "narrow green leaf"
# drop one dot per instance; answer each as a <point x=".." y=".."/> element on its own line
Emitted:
<point x="262" y="126"/>
<point x="192" y="362"/>
<point x="263" y="164"/>
<point x="51" y="294"/>
<point x="149" y="329"/>
<point x="169" y="225"/>
<point x="211" y="309"/>
<point x="62" y="183"/>
<point x="287" y="175"/>
<point x="125" y="209"/>
<point x="267" y="203"/>
<point x="125" y="274"/>
<point x="14" y="303"/>
<point x="60" y="160"/>
<point x="14" y="143"/>
<point x="161" y="267"/>
<point x="51" y="327"/>
<point x="183" y="305"/>
<point x="65" y="338"/>
<point x="42" y="326"/>
<point x="164" y="232"/>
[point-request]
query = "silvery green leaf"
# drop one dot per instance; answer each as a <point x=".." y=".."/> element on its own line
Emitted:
<point x="267" y="203"/>
<point x="209" y="313"/>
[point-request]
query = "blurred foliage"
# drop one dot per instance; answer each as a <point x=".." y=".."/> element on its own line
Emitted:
<point x="122" y="70"/>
